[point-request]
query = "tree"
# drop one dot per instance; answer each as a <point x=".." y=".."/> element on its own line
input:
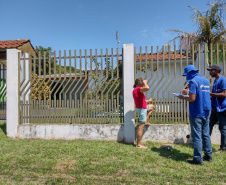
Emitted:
<point x="44" y="53"/>
<point x="111" y="74"/>
<point x="43" y="63"/>
<point x="41" y="89"/>
<point x="210" y="27"/>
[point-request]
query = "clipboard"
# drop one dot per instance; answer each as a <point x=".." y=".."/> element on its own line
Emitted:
<point x="177" y="95"/>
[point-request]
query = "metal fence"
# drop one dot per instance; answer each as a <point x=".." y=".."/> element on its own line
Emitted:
<point x="76" y="87"/>
<point x="163" y="70"/>
<point x="70" y="88"/>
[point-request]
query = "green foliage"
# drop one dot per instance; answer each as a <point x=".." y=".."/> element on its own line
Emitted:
<point x="40" y="88"/>
<point x="44" y="53"/>
<point x="2" y="130"/>
<point x="47" y="53"/>
<point x="61" y="70"/>
<point x="214" y="53"/>
<point x="210" y="27"/>
<point x="113" y="78"/>
<point x="2" y="91"/>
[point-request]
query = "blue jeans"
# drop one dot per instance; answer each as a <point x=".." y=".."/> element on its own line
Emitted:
<point x="221" y="118"/>
<point x="200" y="137"/>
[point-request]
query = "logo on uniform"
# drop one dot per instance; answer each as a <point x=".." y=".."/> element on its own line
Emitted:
<point x="204" y="86"/>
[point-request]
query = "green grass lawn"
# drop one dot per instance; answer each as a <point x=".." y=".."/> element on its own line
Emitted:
<point x="35" y="161"/>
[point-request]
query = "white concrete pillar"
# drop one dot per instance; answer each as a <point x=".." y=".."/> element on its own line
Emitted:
<point x="12" y="101"/>
<point x="128" y="82"/>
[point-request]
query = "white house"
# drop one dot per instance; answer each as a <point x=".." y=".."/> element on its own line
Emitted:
<point x="164" y="74"/>
<point x="9" y="56"/>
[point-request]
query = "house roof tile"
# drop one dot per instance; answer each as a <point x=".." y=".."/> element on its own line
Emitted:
<point x="160" y="57"/>
<point x="12" y="43"/>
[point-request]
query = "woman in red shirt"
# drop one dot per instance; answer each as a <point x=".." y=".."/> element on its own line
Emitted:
<point x="142" y="108"/>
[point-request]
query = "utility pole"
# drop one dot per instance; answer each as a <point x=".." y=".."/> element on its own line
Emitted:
<point x="117" y="38"/>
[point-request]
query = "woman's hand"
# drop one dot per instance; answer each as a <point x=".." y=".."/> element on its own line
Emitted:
<point x="145" y="82"/>
<point x="145" y="87"/>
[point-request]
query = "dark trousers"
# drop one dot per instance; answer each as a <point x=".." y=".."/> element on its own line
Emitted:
<point x="221" y="118"/>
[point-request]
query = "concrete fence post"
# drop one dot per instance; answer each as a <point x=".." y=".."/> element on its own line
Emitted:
<point x="128" y="82"/>
<point x="12" y="109"/>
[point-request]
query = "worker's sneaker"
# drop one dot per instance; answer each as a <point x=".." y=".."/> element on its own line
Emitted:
<point x="194" y="162"/>
<point x="207" y="158"/>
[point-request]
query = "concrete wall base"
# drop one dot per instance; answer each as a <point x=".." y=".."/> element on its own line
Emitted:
<point x="68" y="132"/>
<point x="173" y="133"/>
<point x="165" y="133"/>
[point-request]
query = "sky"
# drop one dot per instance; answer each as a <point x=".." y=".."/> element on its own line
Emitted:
<point x="92" y="24"/>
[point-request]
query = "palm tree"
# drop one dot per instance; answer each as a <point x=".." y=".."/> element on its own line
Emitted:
<point x="210" y="27"/>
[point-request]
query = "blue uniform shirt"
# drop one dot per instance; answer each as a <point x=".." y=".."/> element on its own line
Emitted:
<point x="218" y="86"/>
<point x="201" y="107"/>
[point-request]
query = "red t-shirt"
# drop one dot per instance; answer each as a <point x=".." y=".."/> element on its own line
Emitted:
<point x="139" y="98"/>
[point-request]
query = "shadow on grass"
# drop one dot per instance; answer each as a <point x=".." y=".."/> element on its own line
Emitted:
<point x="173" y="154"/>
<point x="131" y="144"/>
<point x="3" y="127"/>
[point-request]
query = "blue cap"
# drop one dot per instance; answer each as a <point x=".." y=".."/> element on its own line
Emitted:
<point x="188" y="69"/>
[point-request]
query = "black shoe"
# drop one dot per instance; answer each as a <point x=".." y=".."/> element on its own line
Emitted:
<point x="194" y="162"/>
<point x="207" y="158"/>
